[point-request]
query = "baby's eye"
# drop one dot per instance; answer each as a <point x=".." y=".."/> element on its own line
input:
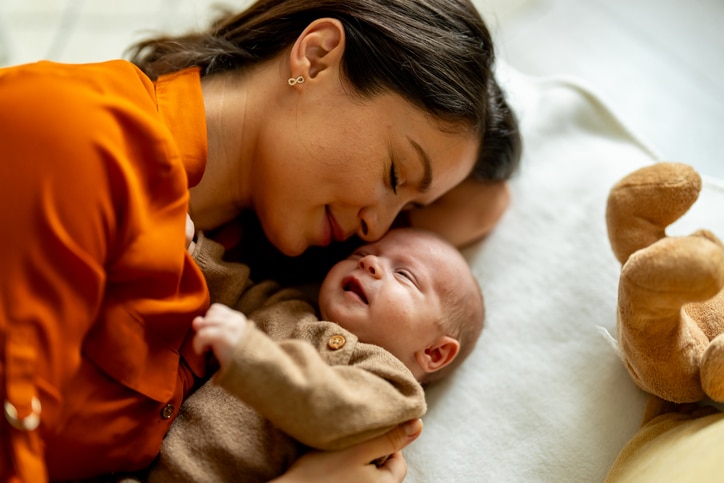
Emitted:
<point x="406" y="274"/>
<point x="408" y="277"/>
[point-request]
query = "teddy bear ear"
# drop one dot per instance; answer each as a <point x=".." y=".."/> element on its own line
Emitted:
<point x="642" y="204"/>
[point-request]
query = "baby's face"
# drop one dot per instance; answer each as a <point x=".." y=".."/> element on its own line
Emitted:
<point x="388" y="292"/>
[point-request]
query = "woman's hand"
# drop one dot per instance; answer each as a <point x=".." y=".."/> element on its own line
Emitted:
<point x="220" y="330"/>
<point x="354" y="465"/>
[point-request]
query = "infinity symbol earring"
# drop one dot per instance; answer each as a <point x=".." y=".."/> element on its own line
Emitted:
<point x="296" y="80"/>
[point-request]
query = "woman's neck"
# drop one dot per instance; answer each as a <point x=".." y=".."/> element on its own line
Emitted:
<point x="223" y="191"/>
<point x="237" y="106"/>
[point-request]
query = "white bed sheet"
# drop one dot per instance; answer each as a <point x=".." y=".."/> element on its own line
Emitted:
<point x="544" y="397"/>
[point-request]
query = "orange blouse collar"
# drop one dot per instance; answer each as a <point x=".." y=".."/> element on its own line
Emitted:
<point x="181" y="105"/>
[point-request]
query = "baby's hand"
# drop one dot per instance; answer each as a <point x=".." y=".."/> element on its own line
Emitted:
<point x="220" y="330"/>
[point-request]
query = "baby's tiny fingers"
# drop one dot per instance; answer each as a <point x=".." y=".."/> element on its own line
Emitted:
<point x="218" y="309"/>
<point x="198" y="323"/>
<point x="200" y="345"/>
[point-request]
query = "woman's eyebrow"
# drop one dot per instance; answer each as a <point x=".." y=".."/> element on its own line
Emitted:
<point x="426" y="181"/>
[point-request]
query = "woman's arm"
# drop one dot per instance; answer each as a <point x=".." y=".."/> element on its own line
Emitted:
<point x="466" y="213"/>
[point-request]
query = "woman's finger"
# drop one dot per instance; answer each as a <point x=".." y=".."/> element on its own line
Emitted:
<point x="392" y="442"/>
<point x="396" y="466"/>
<point x="352" y="465"/>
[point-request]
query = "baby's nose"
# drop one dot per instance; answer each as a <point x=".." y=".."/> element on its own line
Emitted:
<point x="370" y="264"/>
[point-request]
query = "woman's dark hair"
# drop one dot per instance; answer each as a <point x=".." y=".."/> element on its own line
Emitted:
<point x="502" y="146"/>
<point x="436" y="54"/>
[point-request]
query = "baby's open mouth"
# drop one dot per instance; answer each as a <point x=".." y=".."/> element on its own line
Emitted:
<point x="352" y="285"/>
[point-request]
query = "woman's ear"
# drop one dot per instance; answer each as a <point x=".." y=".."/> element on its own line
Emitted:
<point x="438" y="355"/>
<point x="319" y="47"/>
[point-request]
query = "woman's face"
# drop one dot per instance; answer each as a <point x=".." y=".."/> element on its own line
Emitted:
<point x="331" y="166"/>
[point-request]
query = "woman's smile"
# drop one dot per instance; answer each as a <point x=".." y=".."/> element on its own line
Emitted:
<point x="332" y="230"/>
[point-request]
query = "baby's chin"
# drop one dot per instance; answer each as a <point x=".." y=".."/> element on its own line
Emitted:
<point x="327" y="312"/>
<point x="331" y="315"/>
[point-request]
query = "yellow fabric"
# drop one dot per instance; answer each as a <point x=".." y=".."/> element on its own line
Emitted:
<point x="673" y="447"/>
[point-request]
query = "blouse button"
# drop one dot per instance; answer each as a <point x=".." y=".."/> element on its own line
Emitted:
<point x="167" y="411"/>
<point x="336" y="342"/>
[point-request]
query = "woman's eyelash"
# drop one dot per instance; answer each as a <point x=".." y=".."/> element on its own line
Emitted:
<point x="393" y="177"/>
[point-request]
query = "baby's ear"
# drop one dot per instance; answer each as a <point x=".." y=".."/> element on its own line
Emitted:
<point x="438" y="355"/>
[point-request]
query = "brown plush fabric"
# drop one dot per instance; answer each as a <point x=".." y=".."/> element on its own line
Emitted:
<point x="671" y="297"/>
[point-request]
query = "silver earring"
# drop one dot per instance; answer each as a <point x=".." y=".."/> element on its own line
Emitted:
<point x="296" y="80"/>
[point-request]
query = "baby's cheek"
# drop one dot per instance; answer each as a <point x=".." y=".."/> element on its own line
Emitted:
<point x="403" y="314"/>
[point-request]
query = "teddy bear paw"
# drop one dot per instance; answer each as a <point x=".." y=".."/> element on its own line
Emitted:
<point x="711" y="370"/>
<point x="642" y="204"/>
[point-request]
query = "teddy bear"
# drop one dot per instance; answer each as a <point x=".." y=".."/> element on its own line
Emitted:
<point x="670" y="319"/>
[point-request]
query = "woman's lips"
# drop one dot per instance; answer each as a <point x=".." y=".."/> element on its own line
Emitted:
<point x="327" y="229"/>
<point x="337" y="233"/>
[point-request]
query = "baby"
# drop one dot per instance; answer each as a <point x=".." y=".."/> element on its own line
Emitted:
<point x="406" y="311"/>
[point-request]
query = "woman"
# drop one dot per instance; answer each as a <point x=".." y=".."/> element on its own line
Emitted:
<point x="325" y="118"/>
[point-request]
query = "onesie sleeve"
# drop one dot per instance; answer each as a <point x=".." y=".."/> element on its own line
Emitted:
<point x="323" y="388"/>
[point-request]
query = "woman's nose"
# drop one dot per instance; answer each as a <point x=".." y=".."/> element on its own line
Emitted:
<point x="373" y="225"/>
<point x="371" y="265"/>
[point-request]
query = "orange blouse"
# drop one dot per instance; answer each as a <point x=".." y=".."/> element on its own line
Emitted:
<point x="98" y="291"/>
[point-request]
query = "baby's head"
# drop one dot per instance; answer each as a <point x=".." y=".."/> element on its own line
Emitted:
<point x="411" y="293"/>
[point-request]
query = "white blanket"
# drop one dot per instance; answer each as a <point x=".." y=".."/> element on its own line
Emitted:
<point x="544" y="397"/>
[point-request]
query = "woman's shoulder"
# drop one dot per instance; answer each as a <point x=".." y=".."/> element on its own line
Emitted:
<point x="74" y="99"/>
<point x="47" y="81"/>
<point x="79" y="111"/>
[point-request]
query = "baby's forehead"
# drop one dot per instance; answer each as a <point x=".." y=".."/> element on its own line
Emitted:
<point x="441" y="257"/>
<point x="421" y="245"/>
<point x="413" y="238"/>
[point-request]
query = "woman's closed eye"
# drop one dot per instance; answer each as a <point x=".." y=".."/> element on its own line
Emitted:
<point x="394" y="177"/>
<point x="413" y="206"/>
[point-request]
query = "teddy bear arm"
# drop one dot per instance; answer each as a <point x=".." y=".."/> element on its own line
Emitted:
<point x="630" y="234"/>
<point x="664" y="324"/>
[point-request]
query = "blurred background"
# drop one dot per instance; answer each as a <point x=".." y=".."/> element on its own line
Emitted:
<point x="658" y="64"/>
